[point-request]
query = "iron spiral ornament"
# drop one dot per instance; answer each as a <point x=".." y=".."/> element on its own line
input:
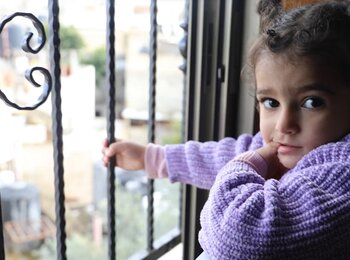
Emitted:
<point x="28" y="47"/>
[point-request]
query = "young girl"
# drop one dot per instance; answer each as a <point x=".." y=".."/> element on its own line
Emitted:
<point x="285" y="192"/>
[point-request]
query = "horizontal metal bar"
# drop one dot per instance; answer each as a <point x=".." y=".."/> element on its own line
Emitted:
<point x="161" y="246"/>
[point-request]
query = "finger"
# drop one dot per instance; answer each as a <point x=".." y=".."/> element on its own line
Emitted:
<point x="104" y="143"/>
<point x="274" y="146"/>
<point x="114" y="149"/>
<point x="271" y="148"/>
<point x="106" y="151"/>
<point x="105" y="161"/>
<point x="268" y="151"/>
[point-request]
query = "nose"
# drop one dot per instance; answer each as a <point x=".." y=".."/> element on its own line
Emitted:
<point x="287" y="121"/>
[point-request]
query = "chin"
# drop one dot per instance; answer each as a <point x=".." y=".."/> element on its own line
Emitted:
<point x="288" y="162"/>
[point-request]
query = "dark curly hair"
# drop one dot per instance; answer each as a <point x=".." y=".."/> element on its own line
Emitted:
<point x="320" y="31"/>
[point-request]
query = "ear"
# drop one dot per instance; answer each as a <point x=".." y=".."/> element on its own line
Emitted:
<point x="290" y="4"/>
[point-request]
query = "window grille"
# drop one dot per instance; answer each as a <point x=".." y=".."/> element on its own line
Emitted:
<point x="207" y="86"/>
<point x="53" y="84"/>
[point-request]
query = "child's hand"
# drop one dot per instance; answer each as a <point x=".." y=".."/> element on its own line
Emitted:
<point x="129" y="156"/>
<point x="275" y="168"/>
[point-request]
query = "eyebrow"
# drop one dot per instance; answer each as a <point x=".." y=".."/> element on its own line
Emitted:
<point x="317" y="87"/>
<point x="312" y="87"/>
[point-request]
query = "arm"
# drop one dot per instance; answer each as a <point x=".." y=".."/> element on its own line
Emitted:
<point x="198" y="163"/>
<point x="304" y="215"/>
<point x="192" y="163"/>
<point x="133" y="156"/>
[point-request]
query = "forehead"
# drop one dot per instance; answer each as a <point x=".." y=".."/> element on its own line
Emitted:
<point x="280" y="71"/>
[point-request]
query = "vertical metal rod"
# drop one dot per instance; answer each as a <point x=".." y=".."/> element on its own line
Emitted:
<point x="183" y="51"/>
<point x="236" y="25"/>
<point x="57" y="128"/>
<point x="110" y="71"/>
<point x="219" y="79"/>
<point x="188" y="200"/>
<point x="152" y="116"/>
<point x="2" y="245"/>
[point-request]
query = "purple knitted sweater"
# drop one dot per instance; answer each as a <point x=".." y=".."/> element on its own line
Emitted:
<point x="304" y="215"/>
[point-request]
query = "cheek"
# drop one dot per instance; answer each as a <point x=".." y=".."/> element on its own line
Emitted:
<point x="266" y="129"/>
<point x="323" y="129"/>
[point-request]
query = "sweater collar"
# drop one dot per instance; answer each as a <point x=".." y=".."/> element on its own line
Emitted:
<point x="346" y="138"/>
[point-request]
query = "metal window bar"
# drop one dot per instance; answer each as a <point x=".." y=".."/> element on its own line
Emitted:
<point x="183" y="47"/>
<point x="110" y="127"/>
<point x="57" y="129"/>
<point x="154" y="251"/>
<point x="152" y="116"/>
<point x="233" y="67"/>
<point x="188" y="197"/>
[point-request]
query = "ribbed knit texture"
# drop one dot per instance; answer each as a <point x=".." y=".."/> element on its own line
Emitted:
<point x="304" y="215"/>
<point x="155" y="164"/>
<point x="254" y="159"/>
<point x="198" y="163"/>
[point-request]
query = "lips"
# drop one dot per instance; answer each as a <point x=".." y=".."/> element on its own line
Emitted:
<point x="287" y="149"/>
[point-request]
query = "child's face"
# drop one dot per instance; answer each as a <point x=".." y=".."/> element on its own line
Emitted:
<point x="302" y="105"/>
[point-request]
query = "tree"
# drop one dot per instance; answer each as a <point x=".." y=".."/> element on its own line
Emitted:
<point x="97" y="58"/>
<point x="70" y="38"/>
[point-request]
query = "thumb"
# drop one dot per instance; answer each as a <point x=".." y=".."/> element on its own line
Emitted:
<point x="108" y="152"/>
<point x="112" y="149"/>
<point x="269" y="153"/>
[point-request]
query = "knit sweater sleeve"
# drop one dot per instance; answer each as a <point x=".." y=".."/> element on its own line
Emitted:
<point x="304" y="215"/>
<point x="198" y="163"/>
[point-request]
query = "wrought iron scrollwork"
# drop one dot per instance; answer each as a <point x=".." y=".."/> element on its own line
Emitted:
<point x="27" y="47"/>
